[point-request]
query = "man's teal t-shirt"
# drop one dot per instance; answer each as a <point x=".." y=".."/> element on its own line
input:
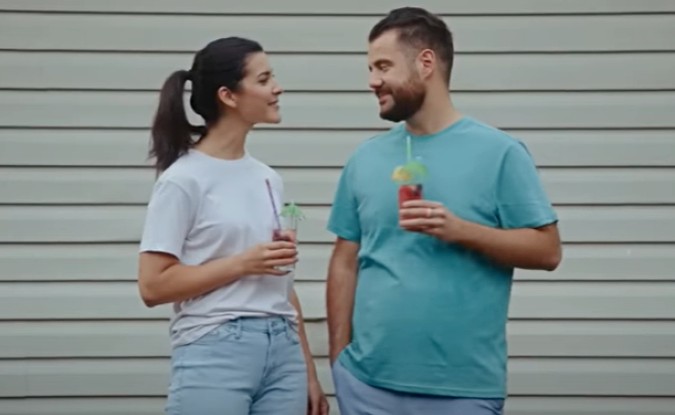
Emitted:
<point x="430" y="317"/>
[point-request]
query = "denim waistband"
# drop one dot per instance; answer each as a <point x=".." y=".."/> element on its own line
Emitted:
<point x="272" y="325"/>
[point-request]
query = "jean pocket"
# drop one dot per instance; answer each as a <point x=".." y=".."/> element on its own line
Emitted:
<point x="224" y="332"/>
<point x="495" y="405"/>
<point x="293" y="334"/>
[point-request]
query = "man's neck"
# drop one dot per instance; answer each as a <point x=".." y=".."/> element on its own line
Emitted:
<point x="436" y="114"/>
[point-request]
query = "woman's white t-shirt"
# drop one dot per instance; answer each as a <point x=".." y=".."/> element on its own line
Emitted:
<point x="203" y="208"/>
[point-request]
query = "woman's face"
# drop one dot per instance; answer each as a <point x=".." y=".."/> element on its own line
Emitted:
<point x="257" y="98"/>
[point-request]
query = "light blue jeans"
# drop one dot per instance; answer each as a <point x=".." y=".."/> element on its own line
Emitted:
<point x="249" y="366"/>
<point x="357" y="398"/>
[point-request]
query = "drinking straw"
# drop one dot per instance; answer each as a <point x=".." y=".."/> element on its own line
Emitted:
<point x="274" y="206"/>
<point x="408" y="148"/>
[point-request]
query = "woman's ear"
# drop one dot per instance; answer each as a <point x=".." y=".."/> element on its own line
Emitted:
<point x="226" y="97"/>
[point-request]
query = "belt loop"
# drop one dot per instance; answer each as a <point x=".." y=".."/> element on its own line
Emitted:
<point x="287" y="328"/>
<point x="275" y="325"/>
<point x="238" y="328"/>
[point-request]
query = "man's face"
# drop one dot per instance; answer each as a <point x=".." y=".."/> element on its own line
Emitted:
<point x="394" y="78"/>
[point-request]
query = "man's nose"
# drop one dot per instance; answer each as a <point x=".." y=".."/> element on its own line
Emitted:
<point x="374" y="82"/>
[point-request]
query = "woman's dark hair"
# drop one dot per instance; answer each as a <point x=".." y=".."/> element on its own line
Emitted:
<point x="221" y="63"/>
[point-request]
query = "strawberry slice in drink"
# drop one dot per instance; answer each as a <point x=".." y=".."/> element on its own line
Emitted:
<point x="409" y="192"/>
<point x="286" y="235"/>
<point x="282" y="235"/>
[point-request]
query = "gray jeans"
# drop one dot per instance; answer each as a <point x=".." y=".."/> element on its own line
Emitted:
<point x="356" y="398"/>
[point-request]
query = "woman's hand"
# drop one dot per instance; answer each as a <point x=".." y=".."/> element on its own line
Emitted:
<point x="263" y="258"/>
<point x="318" y="404"/>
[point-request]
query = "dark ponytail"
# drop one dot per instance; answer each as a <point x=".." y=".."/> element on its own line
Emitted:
<point x="171" y="130"/>
<point x="221" y="63"/>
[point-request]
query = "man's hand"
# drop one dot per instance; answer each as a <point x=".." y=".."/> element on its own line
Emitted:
<point x="431" y="218"/>
<point x="334" y="351"/>
<point x="527" y="248"/>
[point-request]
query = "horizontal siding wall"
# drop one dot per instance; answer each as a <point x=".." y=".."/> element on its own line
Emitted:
<point x="345" y="72"/>
<point x="587" y="84"/>
<point x="373" y="7"/>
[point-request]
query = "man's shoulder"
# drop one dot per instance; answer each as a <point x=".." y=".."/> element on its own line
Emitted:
<point x="490" y="133"/>
<point x="490" y="141"/>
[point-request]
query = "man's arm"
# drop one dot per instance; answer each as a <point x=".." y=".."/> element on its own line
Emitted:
<point x="341" y="286"/>
<point x="528" y="234"/>
<point x="528" y="248"/>
<point x="520" y="248"/>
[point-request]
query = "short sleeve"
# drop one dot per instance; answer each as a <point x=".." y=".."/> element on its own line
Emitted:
<point x="168" y="219"/>
<point x="344" y="219"/>
<point x="521" y="199"/>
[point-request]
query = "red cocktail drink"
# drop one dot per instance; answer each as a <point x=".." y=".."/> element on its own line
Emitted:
<point x="409" y="192"/>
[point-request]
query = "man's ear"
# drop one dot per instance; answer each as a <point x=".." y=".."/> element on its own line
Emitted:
<point x="226" y="97"/>
<point x="426" y="63"/>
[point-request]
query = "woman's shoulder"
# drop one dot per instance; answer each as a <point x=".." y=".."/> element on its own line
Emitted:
<point x="264" y="168"/>
<point x="184" y="173"/>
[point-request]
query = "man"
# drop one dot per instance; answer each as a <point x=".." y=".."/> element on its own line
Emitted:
<point x="418" y="296"/>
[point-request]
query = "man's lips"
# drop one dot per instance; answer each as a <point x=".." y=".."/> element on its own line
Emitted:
<point x="383" y="97"/>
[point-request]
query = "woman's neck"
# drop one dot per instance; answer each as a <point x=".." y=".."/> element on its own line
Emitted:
<point x="225" y="140"/>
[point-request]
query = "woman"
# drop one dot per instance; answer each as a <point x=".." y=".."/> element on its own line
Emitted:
<point x="238" y="343"/>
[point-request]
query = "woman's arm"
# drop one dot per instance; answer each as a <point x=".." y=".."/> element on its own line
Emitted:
<point x="318" y="404"/>
<point x="163" y="279"/>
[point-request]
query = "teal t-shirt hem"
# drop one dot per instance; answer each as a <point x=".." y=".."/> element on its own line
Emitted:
<point x="343" y="233"/>
<point x="545" y="219"/>
<point x="433" y="390"/>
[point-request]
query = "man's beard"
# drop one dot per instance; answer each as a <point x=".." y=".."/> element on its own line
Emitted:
<point x="407" y="100"/>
